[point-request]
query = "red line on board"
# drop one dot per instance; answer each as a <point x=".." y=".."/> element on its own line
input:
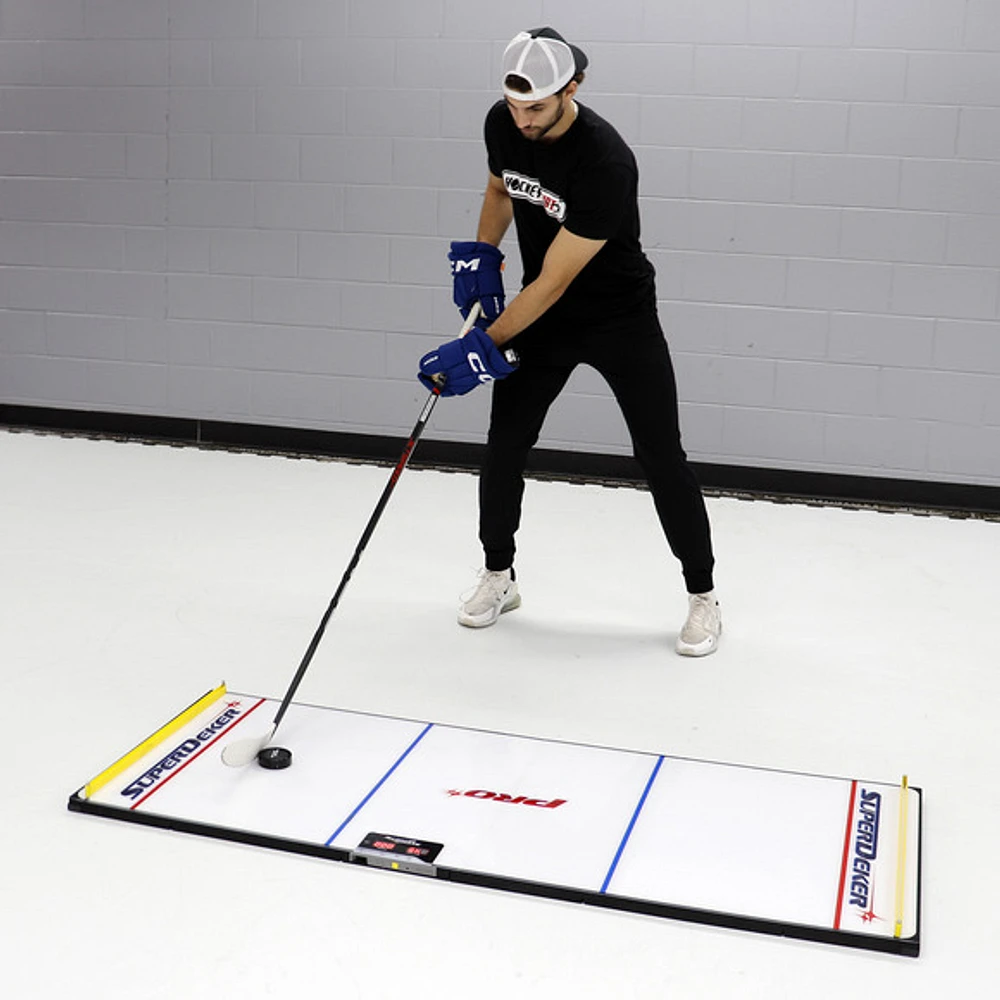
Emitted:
<point x="846" y="856"/>
<point x="195" y="756"/>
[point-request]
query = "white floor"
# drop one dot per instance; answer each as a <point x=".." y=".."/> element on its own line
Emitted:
<point x="133" y="578"/>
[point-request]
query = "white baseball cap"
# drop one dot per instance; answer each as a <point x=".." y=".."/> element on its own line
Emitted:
<point x="545" y="59"/>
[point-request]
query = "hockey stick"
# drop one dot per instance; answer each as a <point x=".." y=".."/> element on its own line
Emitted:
<point x="241" y="752"/>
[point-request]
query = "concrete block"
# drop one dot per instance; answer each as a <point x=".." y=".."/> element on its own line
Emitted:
<point x="54" y="19"/>
<point x="126" y="19"/>
<point x="735" y="278"/>
<point x="255" y="157"/>
<point x="212" y="109"/>
<point x="780" y="22"/>
<point x="850" y="74"/>
<point x="70" y="336"/>
<point x="62" y="154"/>
<point x="389" y="19"/>
<point x="189" y="156"/>
<point x="740" y="175"/>
<point x="389" y="210"/>
<point x="967" y="347"/>
<point x="787" y="230"/>
<point x="893" y="24"/>
<point x="208" y="297"/>
<point x="22" y="333"/>
<point x="726" y="381"/>
<point x="636" y="68"/>
<point x="778" y="334"/>
<point x="421" y="260"/>
<point x="884" y="341"/>
<point x="964" y="454"/>
<point x="291" y="302"/>
<point x="218" y="19"/>
<point x="915" y="237"/>
<point x="776" y="438"/>
<point x="663" y="173"/>
<point x="973" y="239"/>
<point x="950" y="186"/>
<point x="210" y="203"/>
<point x="952" y="292"/>
<point x="342" y="61"/>
<point x="839" y="285"/>
<point x="723" y="22"/>
<point x="907" y="130"/>
<point x="347" y="159"/>
<point x="438" y="163"/>
<point x="745" y="71"/>
<point x="979" y="134"/>
<point x="712" y="122"/>
<point x="876" y="447"/>
<point x="297" y="19"/>
<point x="190" y="62"/>
<point x="849" y="181"/>
<point x="439" y="64"/>
<point x="254" y="252"/>
<point x="295" y="400"/>
<point x="941" y="397"/>
<point x="982" y="26"/>
<point x="145" y="249"/>
<point x="256" y="62"/>
<point x="211" y="394"/>
<point x="953" y="78"/>
<point x="396" y="308"/>
<point x="20" y="63"/>
<point x="300" y="110"/>
<point x="394" y="113"/>
<point x="344" y="256"/>
<point x="21" y="242"/>
<point x="823" y="387"/>
<point x="83" y="246"/>
<point x="189" y="250"/>
<point x="795" y="126"/>
<point x="688" y="225"/>
<point x="146" y="157"/>
<point x="463" y="113"/>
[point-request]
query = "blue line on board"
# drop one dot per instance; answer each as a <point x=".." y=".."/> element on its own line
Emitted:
<point x="385" y="777"/>
<point x="631" y="826"/>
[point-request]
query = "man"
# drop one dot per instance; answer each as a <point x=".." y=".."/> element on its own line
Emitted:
<point x="569" y="182"/>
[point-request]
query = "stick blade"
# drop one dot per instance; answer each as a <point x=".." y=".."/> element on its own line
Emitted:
<point x="239" y="753"/>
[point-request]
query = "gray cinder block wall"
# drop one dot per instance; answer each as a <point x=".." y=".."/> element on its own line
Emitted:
<point x="239" y="210"/>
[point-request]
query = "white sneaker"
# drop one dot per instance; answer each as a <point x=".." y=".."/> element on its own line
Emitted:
<point x="495" y="593"/>
<point x="700" y="634"/>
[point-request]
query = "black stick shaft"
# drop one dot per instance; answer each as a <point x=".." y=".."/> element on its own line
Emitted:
<point x="418" y="429"/>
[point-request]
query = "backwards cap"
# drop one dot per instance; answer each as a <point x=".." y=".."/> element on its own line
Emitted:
<point x="545" y="59"/>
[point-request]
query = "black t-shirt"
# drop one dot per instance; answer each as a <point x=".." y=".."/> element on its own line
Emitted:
<point x="586" y="180"/>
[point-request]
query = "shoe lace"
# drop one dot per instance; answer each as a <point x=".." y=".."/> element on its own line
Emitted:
<point x="702" y="612"/>
<point x="495" y="580"/>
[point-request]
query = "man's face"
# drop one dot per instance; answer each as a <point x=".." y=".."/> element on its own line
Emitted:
<point x="535" y="119"/>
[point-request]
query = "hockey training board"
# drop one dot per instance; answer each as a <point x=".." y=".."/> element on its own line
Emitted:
<point x="834" y="860"/>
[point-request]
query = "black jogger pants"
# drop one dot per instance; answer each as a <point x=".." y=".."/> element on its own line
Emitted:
<point x="635" y="363"/>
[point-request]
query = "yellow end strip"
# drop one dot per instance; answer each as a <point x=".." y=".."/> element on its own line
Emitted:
<point x="904" y="800"/>
<point x="158" y="737"/>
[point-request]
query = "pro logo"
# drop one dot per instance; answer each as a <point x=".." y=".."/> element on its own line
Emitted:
<point x="516" y="800"/>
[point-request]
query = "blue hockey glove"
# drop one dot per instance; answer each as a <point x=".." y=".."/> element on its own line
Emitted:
<point x="475" y="268"/>
<point x="464" y="363"/>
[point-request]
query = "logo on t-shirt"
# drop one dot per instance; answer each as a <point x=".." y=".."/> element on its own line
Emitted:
<point x="528" y="188"/>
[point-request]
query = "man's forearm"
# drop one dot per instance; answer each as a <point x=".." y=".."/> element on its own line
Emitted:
<point x="530" y="303"/>
<point x="495" y="216"/>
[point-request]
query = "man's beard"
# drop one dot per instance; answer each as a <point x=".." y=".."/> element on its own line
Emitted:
<point x="536" y="136"/>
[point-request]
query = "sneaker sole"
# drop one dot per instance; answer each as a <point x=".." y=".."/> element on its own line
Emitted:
<point x="703" y="648"/>
<point x="483" y="621"/>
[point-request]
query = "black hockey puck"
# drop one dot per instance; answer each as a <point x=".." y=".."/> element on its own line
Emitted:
<point x="275" y="758"/>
